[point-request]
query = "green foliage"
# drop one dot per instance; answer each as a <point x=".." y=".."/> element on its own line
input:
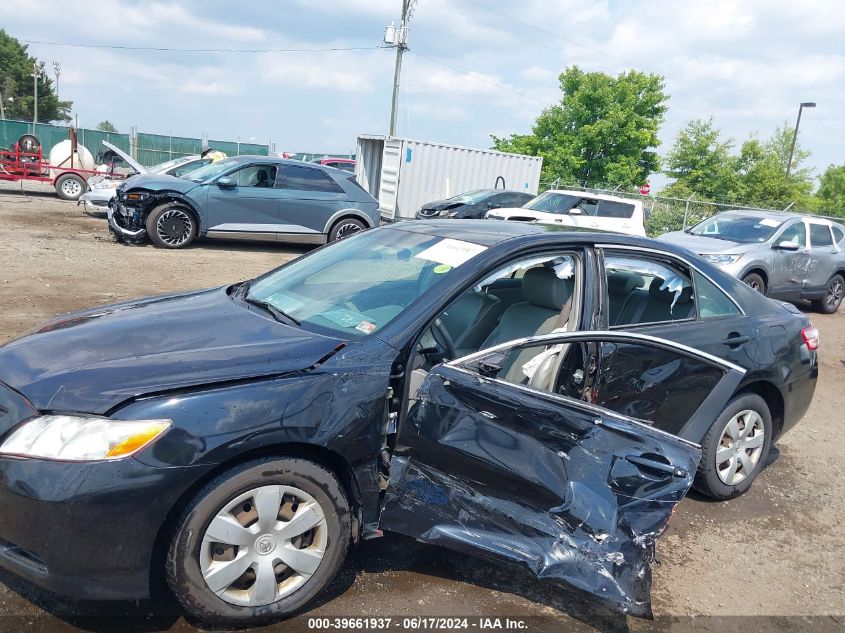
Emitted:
<point x="703" y="165"/>
<point x="603" y="131"/>
<point x="831" y="193"/>
<point x="106" y="126"/>
<point x="16" y="82"/>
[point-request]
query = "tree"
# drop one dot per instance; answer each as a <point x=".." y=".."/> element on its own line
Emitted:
<point x="831" y="193"/>
<point x="701" y="163"/>
<point x="106" y="126"/>
<point x="16" y="69"/>
<point x="602" y="132"/>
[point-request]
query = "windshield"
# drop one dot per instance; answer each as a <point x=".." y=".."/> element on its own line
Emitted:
<point x="204" y="174"/>
<point x="737" y="228"/>
<point x="471" y="197"/>
<point x="162" y="167"/>
<point x="360" y="284"/>
<point x="551" y="202"/>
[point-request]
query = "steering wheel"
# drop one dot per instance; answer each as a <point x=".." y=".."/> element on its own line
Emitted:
<point x="443" y="339"/>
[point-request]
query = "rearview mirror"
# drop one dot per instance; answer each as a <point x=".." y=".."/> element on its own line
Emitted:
<point x="787" y="245"/>
<point x="225" y="182"/>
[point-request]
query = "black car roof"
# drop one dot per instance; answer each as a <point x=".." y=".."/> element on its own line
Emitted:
<point x="490" y="232"/>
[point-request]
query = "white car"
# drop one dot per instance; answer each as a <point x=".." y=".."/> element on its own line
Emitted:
<point x="580" y="209"/>
<point x="101" y="188"/>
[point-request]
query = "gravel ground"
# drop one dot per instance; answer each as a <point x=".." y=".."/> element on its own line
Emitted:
<point x="778" y="551"/>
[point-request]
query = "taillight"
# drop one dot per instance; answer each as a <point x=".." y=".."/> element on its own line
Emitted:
<point x="811" y="337"/>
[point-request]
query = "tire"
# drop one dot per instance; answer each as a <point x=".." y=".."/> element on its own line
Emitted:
<point x="70" y="186"/>
<point x="717" y="480"/>
<point x="756" y="282"/>
<point x="171" y="225"/>
<point x="193" y="548"/>
<point x="833" y="297"/>
<point x="344" y="228"/>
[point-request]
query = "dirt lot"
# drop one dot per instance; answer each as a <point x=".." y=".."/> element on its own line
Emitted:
<point x="778" y="551"/>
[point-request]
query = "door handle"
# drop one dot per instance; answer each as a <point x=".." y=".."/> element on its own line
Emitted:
<point x="735" y="339"/>
<point x="656" y="466"/>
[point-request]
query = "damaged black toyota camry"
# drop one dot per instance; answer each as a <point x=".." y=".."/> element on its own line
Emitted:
<point x="531" y="395"/>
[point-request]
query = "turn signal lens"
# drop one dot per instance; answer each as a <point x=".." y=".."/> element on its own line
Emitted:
<point x="811" y="337"/>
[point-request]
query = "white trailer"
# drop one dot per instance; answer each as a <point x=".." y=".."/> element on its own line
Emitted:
<point x="404" y="174"/>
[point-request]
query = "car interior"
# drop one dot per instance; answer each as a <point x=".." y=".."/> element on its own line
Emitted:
<point x="537" y="296"/>
<point x="641" y="291"/>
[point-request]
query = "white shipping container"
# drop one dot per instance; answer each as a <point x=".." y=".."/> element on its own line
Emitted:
<point x="404" y="174"/>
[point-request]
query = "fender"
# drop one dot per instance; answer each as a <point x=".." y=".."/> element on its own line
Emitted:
<point x="353" y="212"/>
<point x="758" y="265"/>
<point x="181" y="197"/>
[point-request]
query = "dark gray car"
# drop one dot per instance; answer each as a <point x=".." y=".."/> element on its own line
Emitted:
<point x="785" y="256"/>
<point x="246" y="197"/>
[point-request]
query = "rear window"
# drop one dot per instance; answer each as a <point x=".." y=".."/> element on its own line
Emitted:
<point x="820" y="235"/>
<point x="838" y="234"/>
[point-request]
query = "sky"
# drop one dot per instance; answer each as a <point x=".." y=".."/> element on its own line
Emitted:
<point x="475" y="68"/>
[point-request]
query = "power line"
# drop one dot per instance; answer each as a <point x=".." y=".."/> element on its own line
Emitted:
<point x="478" y="77"/>
<point x="204" y="50"/>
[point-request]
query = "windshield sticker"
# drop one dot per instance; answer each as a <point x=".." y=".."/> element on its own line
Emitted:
<point x="451" y="252"/>
<point x="442" y="268"/>
<point x="366" y="327"/>
<point x="345" y="318"/>
<point x="769" y="222"/>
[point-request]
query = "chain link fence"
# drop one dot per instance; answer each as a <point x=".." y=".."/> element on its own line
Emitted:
<point x="663" y="213"/>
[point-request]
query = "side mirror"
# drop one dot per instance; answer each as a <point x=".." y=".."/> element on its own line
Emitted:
<point x="225" y="183"/>
<point x="575" y="211"/>
<point x="786" y="245"/>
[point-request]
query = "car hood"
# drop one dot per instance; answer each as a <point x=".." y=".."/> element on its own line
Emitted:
<point x="701" y="244"/>
<point x="134" y="164"/>
<point x="158" y="182"/>
<point x="433" y="208"/>
<point x="91" y="361"/>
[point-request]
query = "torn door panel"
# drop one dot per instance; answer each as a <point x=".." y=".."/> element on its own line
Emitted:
<point x="569" y="493"/>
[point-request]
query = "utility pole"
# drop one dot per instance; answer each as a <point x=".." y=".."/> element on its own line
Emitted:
<point x="398" y="38"/>
<point x="57" y="69"/>
<point x="806" y="104"/>
<point x="2" y="107"/>
<point x="36" y="73"/>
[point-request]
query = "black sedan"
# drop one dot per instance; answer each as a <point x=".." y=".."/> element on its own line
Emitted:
<point x="473" y="204"/>
<point x="539" y="396"/>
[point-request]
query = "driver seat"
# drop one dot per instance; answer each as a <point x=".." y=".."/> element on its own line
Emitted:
<point x="545" y="294"/>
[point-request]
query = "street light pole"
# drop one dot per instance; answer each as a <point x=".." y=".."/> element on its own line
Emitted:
<point x="36" y="73"/>
<point x="806" y="104"/>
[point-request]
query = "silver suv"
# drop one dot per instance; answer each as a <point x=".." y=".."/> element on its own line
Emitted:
<point x="782" y="255"/>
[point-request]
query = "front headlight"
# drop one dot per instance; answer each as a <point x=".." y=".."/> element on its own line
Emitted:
<point x="82" y="438"/>
<point x="448" y="214"/>
<point x="720" y="259"/>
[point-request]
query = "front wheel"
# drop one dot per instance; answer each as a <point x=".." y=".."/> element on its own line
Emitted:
<point x="171" y="225"/>
<point x="756" y="282"/>
<point x="735" y="448"/>
<point x="833" y="296"/>
<point x="259" y="541"/>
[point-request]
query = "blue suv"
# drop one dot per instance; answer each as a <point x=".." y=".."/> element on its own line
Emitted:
<point x="246" y="198"/>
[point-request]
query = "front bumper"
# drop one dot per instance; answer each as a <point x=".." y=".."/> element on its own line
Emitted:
<point x="121" y="233"/>
<point x="86" y="531"/>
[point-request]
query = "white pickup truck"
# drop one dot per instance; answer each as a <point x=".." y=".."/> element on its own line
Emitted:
<point x="579" y="209"/>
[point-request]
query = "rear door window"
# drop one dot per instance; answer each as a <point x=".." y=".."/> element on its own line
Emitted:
<point x="712" y="302"/>
<point x="612" y="209"/>
<point x="307" y="179"/>
<point x="820" y="235"/>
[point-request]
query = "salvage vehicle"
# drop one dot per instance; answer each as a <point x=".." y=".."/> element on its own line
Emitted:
<point x="472" y="204"/>
<point x="580" y="209"/>
<point x="344" y="164"/>
<point x="243" y="198"/>
<point x="785" y="256"/>
<point x="528" y="394"/>
<point x="102" y="188"/>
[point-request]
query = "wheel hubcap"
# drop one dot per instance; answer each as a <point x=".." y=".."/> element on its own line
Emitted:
<point x="174" y="227"/>
<point x="263" y="545"/>
<point x="71" y="188"/>
<point x="755" y="285"/>
<point x="740" y="447"/>
<point x="345" y="230"/>
<point x="834" y="294"/>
